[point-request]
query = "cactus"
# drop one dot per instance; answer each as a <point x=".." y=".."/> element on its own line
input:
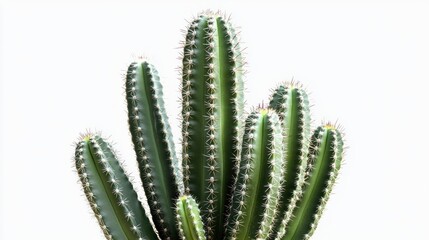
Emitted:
<point x="153" y="145"/>
<point x="259" y="177"/>
<point x="212" y="105"/>
<point x="189" y="219"/>
<point x="109" y="192"/>
<point x="291" y="103"/>
<point x="256" y="196"/>
<point x="325" y="157"/>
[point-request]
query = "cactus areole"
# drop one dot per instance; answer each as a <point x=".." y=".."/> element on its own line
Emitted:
<point x="266" y="175"/>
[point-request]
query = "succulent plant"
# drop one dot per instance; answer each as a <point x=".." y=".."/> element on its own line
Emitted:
<point x="260" y="176"/>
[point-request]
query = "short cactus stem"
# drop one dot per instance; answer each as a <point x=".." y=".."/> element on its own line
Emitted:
<point x="153" y="144"/>
<point x="212" y="108"/>
<point x="290" y="101"/>
<point x="109" y="191"/>
<point x="258" y="187"/>
<point x="325" y="157"/>
<point x="189" y="219"/>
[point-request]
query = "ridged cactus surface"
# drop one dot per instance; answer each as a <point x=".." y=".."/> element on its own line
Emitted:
<point x="153" y="144"/>
<point x="290" y="101"/>
<point x="109" y="192"/>
<point x="189" y="219"/>
<point x="325" y="157"/>
<point x="258" y="187"/>
<point x="263" y="176"/>
<point x="212" y="104"/>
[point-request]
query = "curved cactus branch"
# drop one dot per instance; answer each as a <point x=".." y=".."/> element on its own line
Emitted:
<point x="109" y="192"/>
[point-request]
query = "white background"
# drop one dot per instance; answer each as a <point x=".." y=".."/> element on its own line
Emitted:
<point x="365" y="64"/>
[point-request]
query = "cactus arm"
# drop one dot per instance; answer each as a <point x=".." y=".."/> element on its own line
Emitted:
<point x="109" y="192"/>
<point x="258" y="185"/>
<point x="189" y="219"/>
<point x="153" y="144"/>
<point x="291" y="103"/>
<point x="193" y="110"/>
<point x="274" y="190"/>
<point x="325" y="156"/>
<point x="338" y="145"/>
<point x="212" y="104"/>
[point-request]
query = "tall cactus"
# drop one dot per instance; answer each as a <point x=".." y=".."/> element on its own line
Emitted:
<point x="263" y="177"/>
<point x="325" y="157"/>
<point x="109" y="192"/>
<point x="212" y="105"/>
<point x="255" y="201"/>
<point x="290" y="101"/>
<point x="153" y="144"/>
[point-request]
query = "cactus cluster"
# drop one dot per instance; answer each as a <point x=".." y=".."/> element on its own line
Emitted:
<point x="261" y="175"/>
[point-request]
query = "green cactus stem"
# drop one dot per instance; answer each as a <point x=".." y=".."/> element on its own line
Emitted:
<point x="325" y="157"/>
<point x="258" y="185"/>
<point x="291" y="103"/>
<point x="212" y="108"/>
<point x="109" y="191"/>
<point x="153" y="144"/>
<point x="189" y="220"/>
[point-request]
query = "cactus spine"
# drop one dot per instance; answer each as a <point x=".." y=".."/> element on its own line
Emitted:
<point x="189" y="219"/>
<point x="291" y="103"/>
<point x="153" y="145"/>
<point x="109" y="192"/>
<point x="257" y="191"/>
<point x="212" y="105"/>
<point x="325" y="156"/>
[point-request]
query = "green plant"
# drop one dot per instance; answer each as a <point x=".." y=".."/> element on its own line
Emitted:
<point x="264" y="176"/>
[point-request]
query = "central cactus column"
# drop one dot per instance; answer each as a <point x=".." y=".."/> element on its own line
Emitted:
<point x="212" y="107"/>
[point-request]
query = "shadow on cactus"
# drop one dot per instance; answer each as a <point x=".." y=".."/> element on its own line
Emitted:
<point x="266" y="175"/>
